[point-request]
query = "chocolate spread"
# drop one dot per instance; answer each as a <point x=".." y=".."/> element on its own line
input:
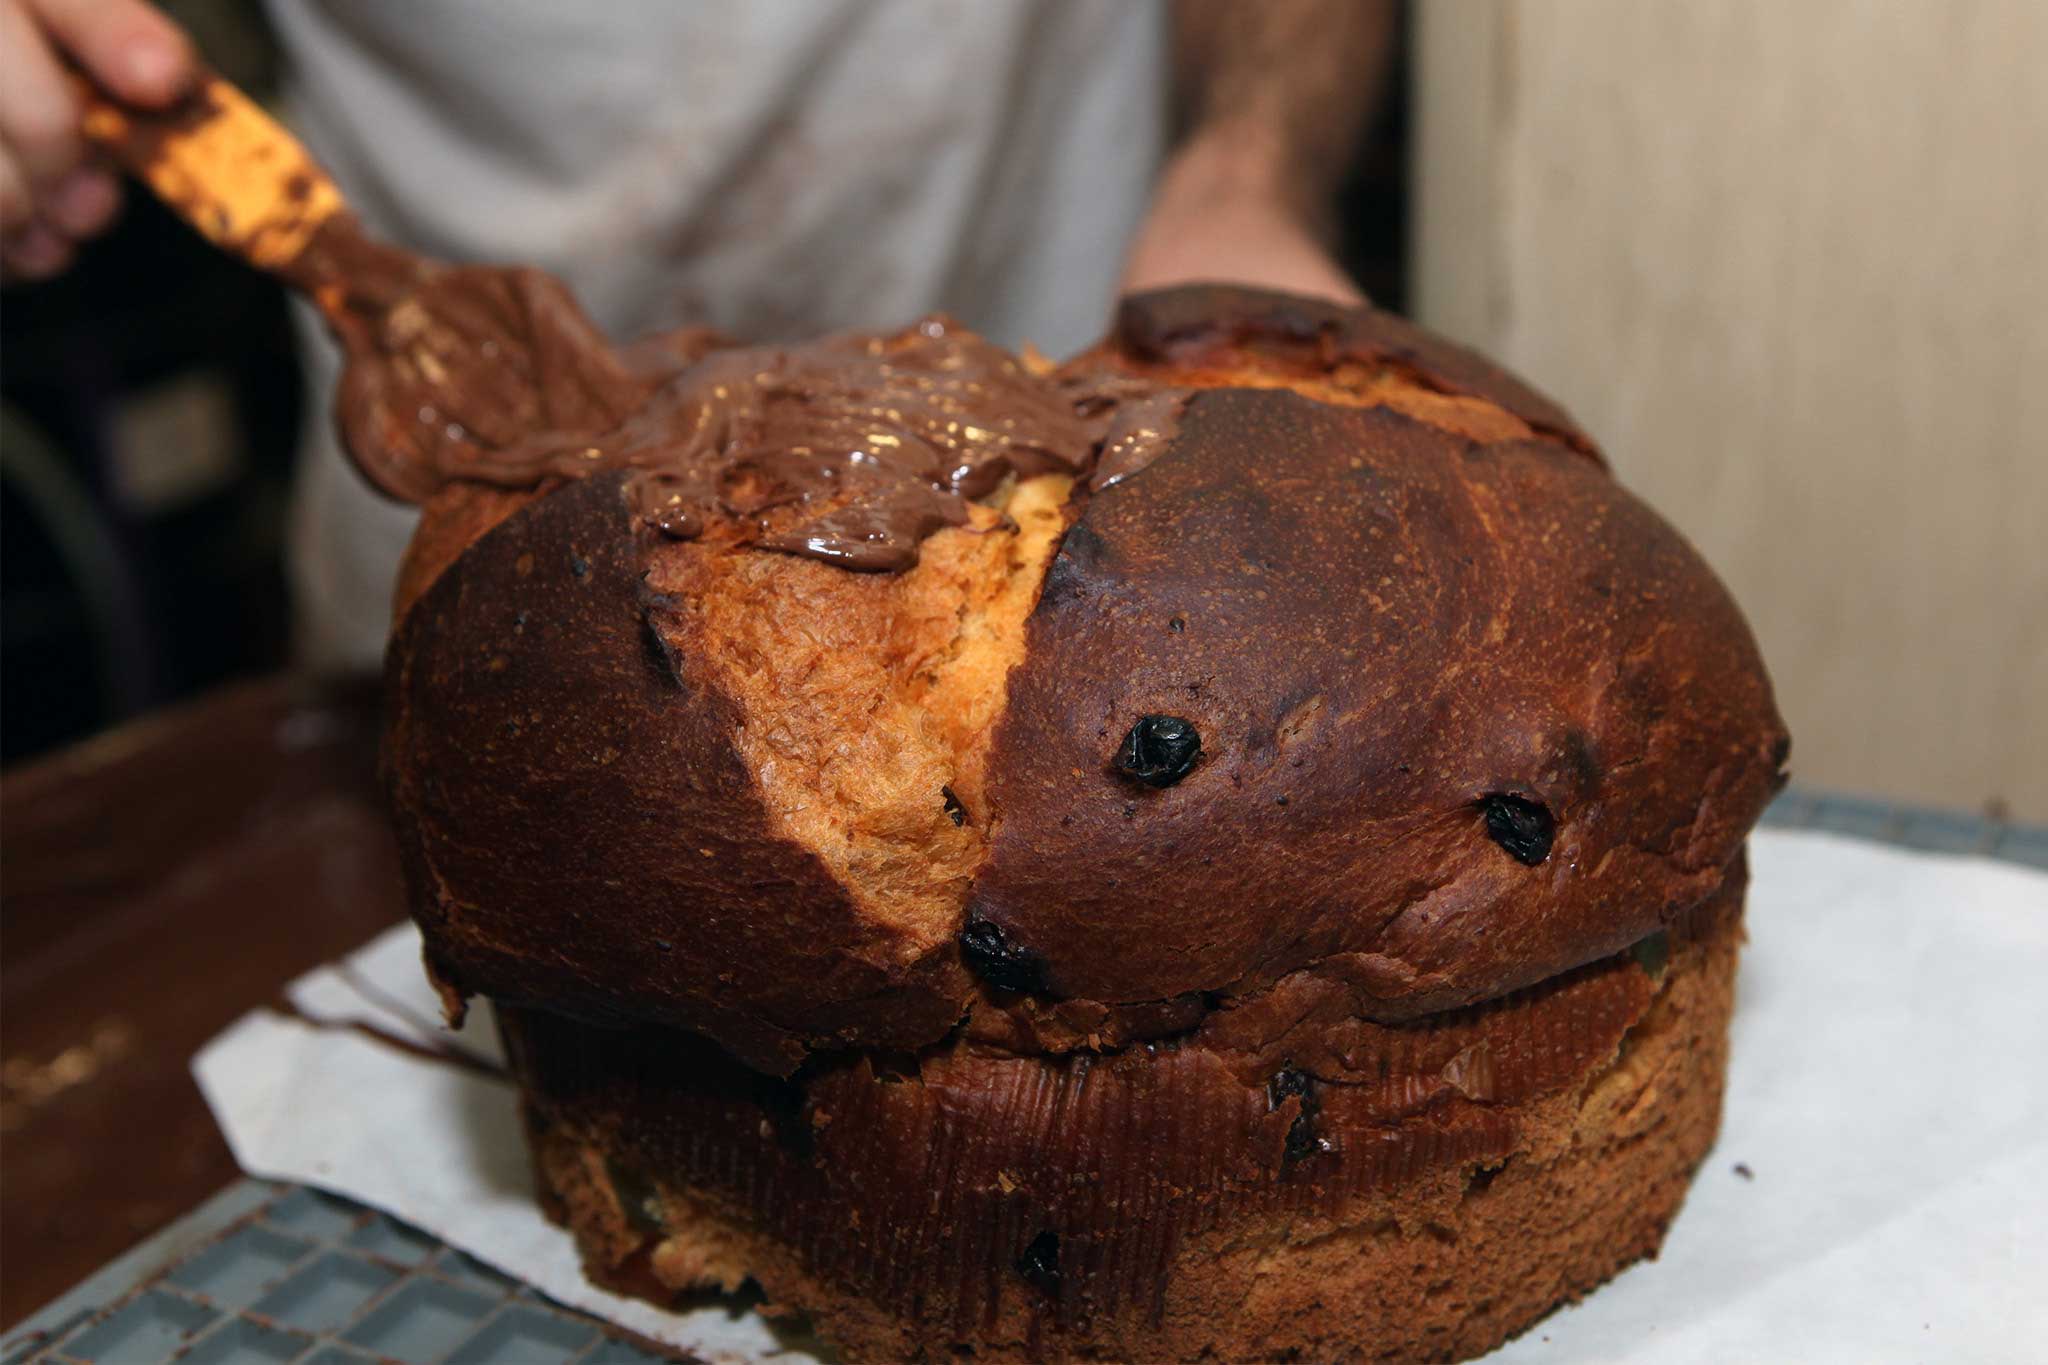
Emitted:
<point x="850" y="449"/>
<point x="875" y="442"/>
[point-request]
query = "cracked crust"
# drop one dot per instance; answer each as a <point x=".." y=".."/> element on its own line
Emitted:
<point x="705" y="786"/>
<point x="1187" y="1202"/>
<point x="1373" y="628"/>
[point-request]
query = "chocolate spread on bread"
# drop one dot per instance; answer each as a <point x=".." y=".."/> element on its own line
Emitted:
<point x="850" y="449"/>
<point x="876" y="441"/>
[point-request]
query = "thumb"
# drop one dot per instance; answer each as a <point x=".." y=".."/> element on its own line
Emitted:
<point x="128" y="47"/>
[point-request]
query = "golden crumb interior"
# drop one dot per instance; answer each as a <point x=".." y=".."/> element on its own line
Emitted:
<point x="867" y="699"/>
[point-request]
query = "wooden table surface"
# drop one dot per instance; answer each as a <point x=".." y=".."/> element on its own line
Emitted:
<point x="155" y="883"/>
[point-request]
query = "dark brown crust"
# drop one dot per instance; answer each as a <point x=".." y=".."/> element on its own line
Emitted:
<point x="896" y="1206"/>
<point x="543" y="720"/>
<point x="1373" y="626"/>
<point x="1196" y="326"/>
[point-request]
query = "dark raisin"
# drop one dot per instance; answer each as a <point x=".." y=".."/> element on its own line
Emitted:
<point x="1284" y="1084"/>
<point x="1005" y="965"/>
<point x="786" y="1115"/>
<point x="1159" y="750"/>
<point x="1519" y="825"/>
<point x="955" y="812"/>
<point x="638" y="1200"/>
<point x="579" y="566"/>
<point x="1301" y="1134"/>
<point x="1653" y="954"/>
<point x="1301" y="1139"/>
<point x="1040" y="1263"/>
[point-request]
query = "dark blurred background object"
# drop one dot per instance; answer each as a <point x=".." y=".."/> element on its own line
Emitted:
<point x="151" y="408"/>
<point x="149" y="403"/>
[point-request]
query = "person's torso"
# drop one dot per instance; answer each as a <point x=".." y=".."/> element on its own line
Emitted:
<point x="772" y="168"/>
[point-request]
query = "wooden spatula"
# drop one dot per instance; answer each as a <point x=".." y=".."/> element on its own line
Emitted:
<point x="224" y="166"/>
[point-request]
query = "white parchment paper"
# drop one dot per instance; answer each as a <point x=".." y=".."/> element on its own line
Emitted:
<point x="1887" y="1106"/>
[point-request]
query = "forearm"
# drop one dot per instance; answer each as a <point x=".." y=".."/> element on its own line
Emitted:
<point x="1273" y="95"/>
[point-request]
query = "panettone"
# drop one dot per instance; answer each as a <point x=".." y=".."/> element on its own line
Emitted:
<point x="1230" y="846"/>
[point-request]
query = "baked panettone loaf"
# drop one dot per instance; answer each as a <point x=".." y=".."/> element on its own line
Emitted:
<point x="1228" y="847"/>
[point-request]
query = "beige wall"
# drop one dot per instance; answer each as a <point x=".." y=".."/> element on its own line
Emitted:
<point x="1788" y="261"/>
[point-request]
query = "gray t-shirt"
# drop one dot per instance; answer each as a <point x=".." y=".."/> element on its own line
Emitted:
<point x="774" y="168"/>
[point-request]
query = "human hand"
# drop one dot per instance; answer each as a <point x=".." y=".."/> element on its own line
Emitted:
<point x="52" y="196"/>
<point x="1217" y="217"/>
